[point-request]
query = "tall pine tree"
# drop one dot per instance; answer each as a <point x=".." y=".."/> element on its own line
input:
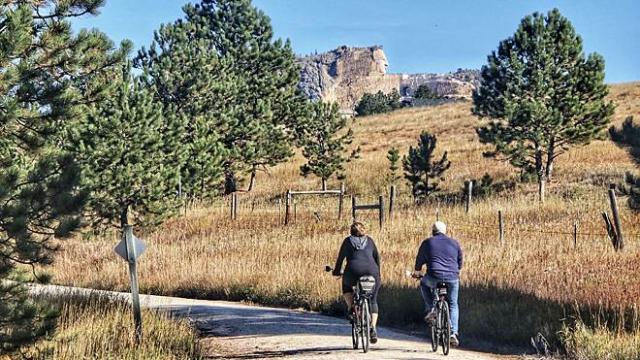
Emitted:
<point x="48" y="76"/>
<point x="421" y="169"/>
<point x="221" y="63"/>
<point x="129" y="154"/>
<point x="325" y="143"/>
<point x="542" y="94"/>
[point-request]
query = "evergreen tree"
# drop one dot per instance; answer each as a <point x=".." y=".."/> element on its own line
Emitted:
<point x="542" y="94"/>
<point x="127" y="151"/>
<point x="221" y="64"/>
<point x="425" y="92"/>
<point x="378" y="103"/>
<point x="48" y="76"/>
<point x="421" y="169"/>
<point x="323" y="145"/>
<point x="628" y="136"/>
<point x="393" y="155"/>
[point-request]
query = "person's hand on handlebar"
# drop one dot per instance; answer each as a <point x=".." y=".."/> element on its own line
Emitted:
<point x="417" y="274"/>
<point x="334" y="272"/>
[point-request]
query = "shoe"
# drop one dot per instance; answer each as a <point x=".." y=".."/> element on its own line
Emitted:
<point x="454" y="340"/>
<point x="430" y="318"/>
<point x="373" y="336"/>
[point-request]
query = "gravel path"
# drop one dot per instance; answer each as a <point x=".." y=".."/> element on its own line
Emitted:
<point x="239" y="331"/>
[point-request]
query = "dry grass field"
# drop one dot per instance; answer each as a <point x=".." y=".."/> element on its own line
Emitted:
<point x="99" y="328"/>
<point x="510" y="292"/>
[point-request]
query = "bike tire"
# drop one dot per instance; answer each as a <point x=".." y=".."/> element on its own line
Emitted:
<point x="354" y="330"/>
<point x="446" y="328"/>
<point x="366" y="326"/>
<point x="434" y="337"/>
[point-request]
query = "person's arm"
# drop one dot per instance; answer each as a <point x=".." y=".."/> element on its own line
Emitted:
<point x="460" y="257"/>
<point x="337" y="270"/>
<point x="376" y="255"/>
<point x="421" y="258"/>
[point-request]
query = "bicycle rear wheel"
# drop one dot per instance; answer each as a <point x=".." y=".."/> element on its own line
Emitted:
<point x="446" y="328"/>
<point x="366" y="325"/>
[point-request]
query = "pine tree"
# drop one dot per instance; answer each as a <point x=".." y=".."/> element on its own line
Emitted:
<point x="221" y="63"/>
<point x="425" y="92"/>
<point x="48" y="77"/>
<point x="393" y="155"/>
<point x="323" y="145"/>
<point x="628" y="136"/>
<point x="542" y="94"/>
<point x="421" y="169"/>
<point x="127" y="152"/>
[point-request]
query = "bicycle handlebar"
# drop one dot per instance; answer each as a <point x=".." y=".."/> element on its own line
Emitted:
<point x="330" y="269"/>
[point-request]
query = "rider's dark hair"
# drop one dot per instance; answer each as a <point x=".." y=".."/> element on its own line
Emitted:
<point x="358" y="229"/>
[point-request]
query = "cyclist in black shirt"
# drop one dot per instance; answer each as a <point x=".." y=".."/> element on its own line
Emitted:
<point x="362" y="259"/>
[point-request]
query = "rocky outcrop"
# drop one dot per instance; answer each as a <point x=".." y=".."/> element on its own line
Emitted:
<point x="345" y="74"/>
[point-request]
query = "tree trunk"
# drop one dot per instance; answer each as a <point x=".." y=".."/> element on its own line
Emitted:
<point x="324" y="184"/>
<point x="252" y="180"/>
<point x="551" y="152"/>
<point x="230" y="183"/>
<point x="541" y="187"/>
<point x="124" y="217"/>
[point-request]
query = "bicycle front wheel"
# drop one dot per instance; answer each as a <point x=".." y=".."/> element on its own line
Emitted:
<point x="366" y="325"/>
<point x="446" y="328"/>
<point x="434" y="337"/>
<point x="355" y="323"/>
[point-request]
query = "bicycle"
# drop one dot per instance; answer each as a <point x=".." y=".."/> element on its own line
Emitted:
<point x="441" y="327"/>
<point x="361" y="311"/>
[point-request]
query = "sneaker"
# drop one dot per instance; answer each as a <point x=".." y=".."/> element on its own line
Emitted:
<point x="373" y="335"/>
<point x="454" y="340"/>
<point x="430" y="318"/>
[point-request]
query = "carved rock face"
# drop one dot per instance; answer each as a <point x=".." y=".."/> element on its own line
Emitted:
<point x="345" y="74"/>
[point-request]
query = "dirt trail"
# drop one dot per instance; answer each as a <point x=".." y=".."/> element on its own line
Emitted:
<point x="239" y="331"/>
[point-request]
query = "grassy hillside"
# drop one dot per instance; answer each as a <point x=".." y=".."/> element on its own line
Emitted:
<point x="509" y="292"/>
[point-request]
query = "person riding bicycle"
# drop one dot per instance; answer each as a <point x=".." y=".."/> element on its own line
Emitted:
<point x="363" y="259"/>
<point x="443" y="257"/>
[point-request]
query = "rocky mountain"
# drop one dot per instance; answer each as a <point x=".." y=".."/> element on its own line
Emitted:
<point x="345" y="74"/>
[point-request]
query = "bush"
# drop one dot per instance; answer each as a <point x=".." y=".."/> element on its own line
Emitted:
<point x="378" y="103"/>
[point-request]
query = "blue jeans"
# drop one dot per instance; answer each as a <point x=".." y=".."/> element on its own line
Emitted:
<point x="428" y="287"/>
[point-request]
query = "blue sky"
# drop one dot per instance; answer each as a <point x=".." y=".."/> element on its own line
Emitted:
<point x="417" y="35"/>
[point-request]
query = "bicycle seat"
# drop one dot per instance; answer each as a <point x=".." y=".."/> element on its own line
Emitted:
<point x="366" y="284"/>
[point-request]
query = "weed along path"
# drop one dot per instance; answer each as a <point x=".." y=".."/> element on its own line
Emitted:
<point x="239" y="331"/>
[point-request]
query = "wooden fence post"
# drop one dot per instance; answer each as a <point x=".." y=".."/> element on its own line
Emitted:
<point x="341" y="200"/>
<point x="353" y="208"/>
<point x="469" y="194"/>
<point x="381" y="214"/>
<point x="575" y="234"/>
<point x="392" y="200"/>
<point x="619" y="245"/>
<point x="501" y="227"/>
<point x="234" y="206"/>
<point x="287" y="207"/>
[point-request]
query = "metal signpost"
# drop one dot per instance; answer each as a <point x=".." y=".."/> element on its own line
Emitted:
<point x="130" y="248"/>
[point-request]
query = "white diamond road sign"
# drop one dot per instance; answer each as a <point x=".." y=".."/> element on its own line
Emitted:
<point x="138" y="245"/>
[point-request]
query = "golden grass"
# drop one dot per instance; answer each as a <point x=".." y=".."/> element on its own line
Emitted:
<point x="529" y="282"/>
<point x="98" y="328"/>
